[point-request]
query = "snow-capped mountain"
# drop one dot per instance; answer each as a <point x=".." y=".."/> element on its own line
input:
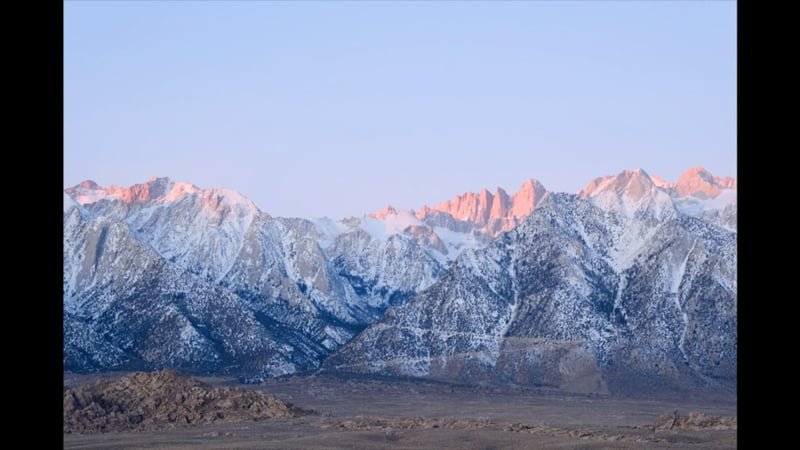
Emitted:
<point x="166" y="274"/>
<point x="698" y="182"/>
<point x="127" y="307"/>
<point x="631" y="193"/>
<point x="486" y="213"/>
<point x="613" y="289"/>
<point x="310" y="285"/>
<point x="698" y="193"/>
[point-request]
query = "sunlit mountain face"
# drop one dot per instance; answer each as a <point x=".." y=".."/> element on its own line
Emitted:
<point x="629" y="284"/>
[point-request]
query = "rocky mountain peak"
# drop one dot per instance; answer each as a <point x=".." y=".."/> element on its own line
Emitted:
<point x="633" y="183"/>
<point x="631" y="192"/>
<point x="500" y="205"/>
<point x="88" y="184"/>
<point x="700" y="183"/>
<point x="528" y="196"/>
<point x="660" y="182"/>
<point x="218" y="286"/>
<point x="161" y="189"/>
<point x="389" y="210"/>
<point x="487" y="212"/>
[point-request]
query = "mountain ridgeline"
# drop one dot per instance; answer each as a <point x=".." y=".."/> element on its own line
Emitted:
<point x="629" y="285"/>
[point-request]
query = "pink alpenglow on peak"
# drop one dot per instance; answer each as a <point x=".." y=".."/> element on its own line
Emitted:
<point x="635" y="192"/>
<point x="630" y="192"/>
<point x="695" y="182"/>
<point x="529" y="195"/>
<point x="490" y="213"/>
<point x="212" y="202"/>
<point x="219" y="200"/>
<point x="179" y="190"/>
<point x="501" y="204"/>
<point x="469" y="207"/>
<point x="633" y="183"/>
<point x="698" y="182"/>
<point x="385" y="212"/>
<point x="660" y="182"/>
<point x="160" y="189"/>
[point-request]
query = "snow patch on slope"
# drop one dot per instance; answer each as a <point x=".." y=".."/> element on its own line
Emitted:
<point x="457" y="242"/>
<point x="329" y="229"/>
<point x="70" y="203"/>
<point x="694" y="206"/>
<point x="392" y="224"/>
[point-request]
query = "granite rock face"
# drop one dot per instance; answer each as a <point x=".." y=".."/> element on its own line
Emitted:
<point x="578" y="297"/>
<point x="631" y="284"/>
<point x="167" y="275"/>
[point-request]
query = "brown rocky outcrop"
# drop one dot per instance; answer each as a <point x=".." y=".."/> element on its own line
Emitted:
<point x="165" y="399"/>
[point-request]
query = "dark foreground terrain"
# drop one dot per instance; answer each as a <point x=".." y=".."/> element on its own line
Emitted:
<point x="373" y="413"/>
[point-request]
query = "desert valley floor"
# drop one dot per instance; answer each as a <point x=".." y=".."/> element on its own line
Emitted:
<point x="374" y="413"/>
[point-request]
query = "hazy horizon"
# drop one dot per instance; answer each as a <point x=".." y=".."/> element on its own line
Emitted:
<point x="338" y="109"/>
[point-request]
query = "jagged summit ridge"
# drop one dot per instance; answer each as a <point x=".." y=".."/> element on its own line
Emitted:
<point x="228" y="288"/>
<point x="485" y="212"/>
<point x="630" y="192"/>
<point x="154" y="189"/>
<point x="549" y="303"/>
<point x="698" y="182"/>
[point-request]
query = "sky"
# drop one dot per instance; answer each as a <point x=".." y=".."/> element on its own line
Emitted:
<point x="339" y="108"/>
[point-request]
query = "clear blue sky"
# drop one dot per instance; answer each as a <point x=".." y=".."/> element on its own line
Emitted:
<point x="339" y="108"/>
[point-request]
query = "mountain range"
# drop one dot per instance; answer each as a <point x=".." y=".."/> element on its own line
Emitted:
<point x="628" y="285"/>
